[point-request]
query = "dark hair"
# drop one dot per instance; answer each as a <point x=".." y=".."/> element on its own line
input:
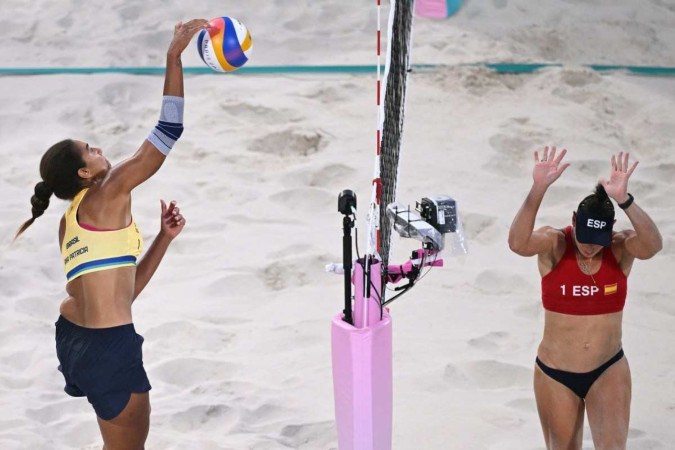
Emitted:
<point x="598" y="204"/>
<point x="58" y="170"/>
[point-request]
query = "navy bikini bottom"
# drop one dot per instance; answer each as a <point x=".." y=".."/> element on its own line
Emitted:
<point x="579" y="383"/>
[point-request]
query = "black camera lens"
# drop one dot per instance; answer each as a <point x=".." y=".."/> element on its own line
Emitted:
<point x="346" y="201"/>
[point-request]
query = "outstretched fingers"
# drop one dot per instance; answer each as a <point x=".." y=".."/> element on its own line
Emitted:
<point x="561" y="156"/>
<point x="621" y="163"/>
<point x="616" y="185"/>
<point x="561" y="168"/>
<point x="630" y="172"/>
<point x="551" y="156"/>
<point x="547" y="157"/>
<point x="625" y="162"/>
<point x="548" y="168"/>
<point x="543" y="159"/>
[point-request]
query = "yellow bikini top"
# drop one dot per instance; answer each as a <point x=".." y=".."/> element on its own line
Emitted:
<point x="85" y="251"/>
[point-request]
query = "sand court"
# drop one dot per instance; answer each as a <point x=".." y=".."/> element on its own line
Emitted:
<point x="237" y="319"/>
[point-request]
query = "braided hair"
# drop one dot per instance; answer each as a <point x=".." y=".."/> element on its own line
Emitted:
<point x="58" y="170"/>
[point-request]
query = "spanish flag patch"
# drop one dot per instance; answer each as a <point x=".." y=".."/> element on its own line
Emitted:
<point x="611" y="288"/>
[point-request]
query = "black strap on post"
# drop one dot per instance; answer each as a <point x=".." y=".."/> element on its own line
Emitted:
<point x="347" y="206"/>
<point x="347" y="265"/>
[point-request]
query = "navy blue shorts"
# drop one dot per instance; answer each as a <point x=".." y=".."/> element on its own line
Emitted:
<point x="104" y="364"/>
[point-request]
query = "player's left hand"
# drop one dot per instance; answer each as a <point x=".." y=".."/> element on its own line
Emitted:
<point x="172" y="220"/>
<point x="617" y="186"/>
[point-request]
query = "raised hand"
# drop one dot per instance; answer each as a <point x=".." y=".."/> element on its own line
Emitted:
<point x="172" y="221"/>
<point x="548" y="169"/>
<point x="617" y="186"/>
<point x="183" y="33"/>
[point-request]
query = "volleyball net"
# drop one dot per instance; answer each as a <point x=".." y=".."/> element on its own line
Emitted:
<point x="393" y="114"/>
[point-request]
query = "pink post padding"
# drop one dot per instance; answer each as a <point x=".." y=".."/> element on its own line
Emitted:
<point x="362" y="384"/>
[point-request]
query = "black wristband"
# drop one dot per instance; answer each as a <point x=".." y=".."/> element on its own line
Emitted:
<point x="628" y="202"/>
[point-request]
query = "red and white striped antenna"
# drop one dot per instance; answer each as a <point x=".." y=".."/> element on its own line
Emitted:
<point x="373" y="247"/>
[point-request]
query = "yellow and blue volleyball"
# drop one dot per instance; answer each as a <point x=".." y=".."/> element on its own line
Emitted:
<point x="226" y="45"/>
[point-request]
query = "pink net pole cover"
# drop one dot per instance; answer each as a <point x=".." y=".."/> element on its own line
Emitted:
<point x="362" y="384"/>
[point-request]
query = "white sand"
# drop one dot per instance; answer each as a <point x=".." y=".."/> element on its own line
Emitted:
<point x="237" y="318"/>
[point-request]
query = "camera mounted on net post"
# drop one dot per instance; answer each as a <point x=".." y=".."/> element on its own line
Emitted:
<point x="432" y="218"/>
<point x="347" y="202"/>
<point x="440" y="212"/>
<point x="430" y="221"/>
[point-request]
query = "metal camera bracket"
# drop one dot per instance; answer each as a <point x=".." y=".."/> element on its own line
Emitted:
<point x="428" y="222"/>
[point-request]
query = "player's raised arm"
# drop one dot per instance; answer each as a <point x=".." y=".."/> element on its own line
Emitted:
<point x="523" y="239"/>
<point x="151" y="155"/>
<point x="645" y="241"/>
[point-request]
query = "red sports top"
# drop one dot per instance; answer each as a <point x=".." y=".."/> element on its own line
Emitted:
<point x="567" y="290"/>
